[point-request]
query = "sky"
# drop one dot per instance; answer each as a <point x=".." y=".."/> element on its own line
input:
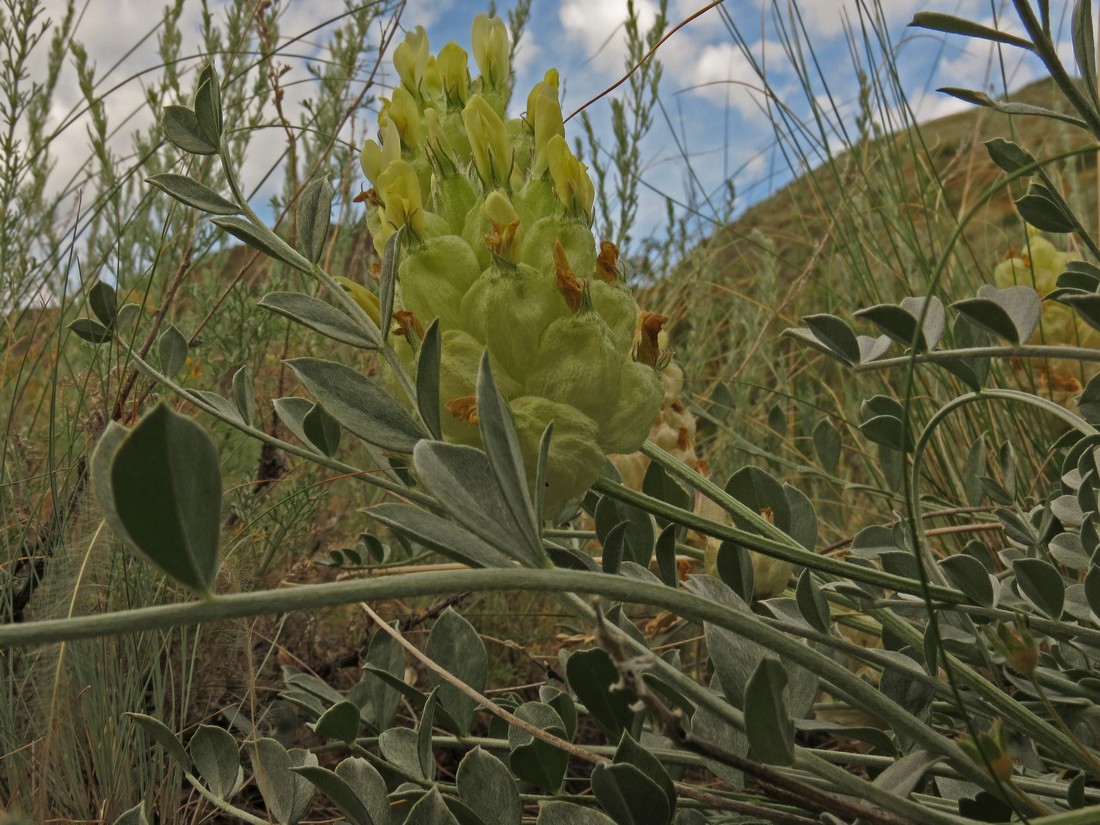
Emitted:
<point x="713" y="124"/>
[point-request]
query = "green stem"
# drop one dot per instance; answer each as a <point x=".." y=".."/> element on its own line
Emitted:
<point x="1022" y="351"/>
<point x="222" y="804"/>
<point x="787" y="550"/>
<point x="238" y="605"/>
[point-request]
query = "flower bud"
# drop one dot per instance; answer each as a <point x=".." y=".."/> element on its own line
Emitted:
<point x="577" y="364"/>
<point x="572" y="184"/>
<point x="504" y="240"/>
<point x="769" y="576"/>
<point x="489" y="144"/>
<point x="454" y="74"/>
<point x="399" y="189"/>
<point x="410" y="58"/>
<point x="374" y="158"/>
<point x="508" y="308"/>
<point x="545" y="119"/>
<point x="576" y="239"/>
<point x="575" y="460"/>
<point x="434" y="278"/>
<point x="1018" y="647"/>
<point x="489" y="41"/>
<point x="402" y="111"/>
<point x="635" y="409"/>
<point x="990" y="749"/>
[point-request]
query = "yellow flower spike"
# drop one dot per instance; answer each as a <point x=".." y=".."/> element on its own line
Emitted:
<point x="489" y="40"/>
<point x="405" y="116"/>
<point x="366" y="299"/>
<point x="489" y="144"/>
<point x="399" y="188"/>
<point x="454" y="74"/>
<point x="505" y="237"/>
<point x="572" y="184"/>
<point x="410" y="58"/>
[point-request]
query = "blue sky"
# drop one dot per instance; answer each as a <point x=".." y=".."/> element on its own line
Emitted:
<point x="713" y="126"/>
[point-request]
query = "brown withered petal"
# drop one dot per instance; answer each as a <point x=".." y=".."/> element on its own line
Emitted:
<point x="607" y="261"/>
<point x="650" y="327"/>
<point x="406" y="322"/>
<point x="463" y="408"/>
<point x="568" y="284"/>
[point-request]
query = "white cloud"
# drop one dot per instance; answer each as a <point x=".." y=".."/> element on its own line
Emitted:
<point x="598" y="26"/>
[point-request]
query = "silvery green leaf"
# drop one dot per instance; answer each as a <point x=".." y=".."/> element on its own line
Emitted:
<point x="104" y="303"/>
<point x="164" y="737"/>
<point x="357" y="403"/>
<point x="90" y="330"/>
<point x="630" y="752"/>
<point x="457" y="647"/>
<point x="631" y="797"/>
<point x="431" y="810"/>
<point x="341" y="722"/>
<point x="340" y="791"/>
<point x="427" y="379"/>
<point x="1044" y="209"/>
<point x="319" y="316"/>
<point x="322" y="430"/>
<point x="287" y="794"/>
<point x="159" y="487"/>
<point x="486" y="786"/>
<point x="314" y="216"/>
<point x="950" y="24"/>
<point x="1008" y="108"/>
<point x="970" y="576"/>
<point x="1008" y="155"/>
<point x="1041" y="584"/>
<point x="462" y="479"/>
<point x="263" y="239"/>
<point x="439" y="534"/>
<point x="905" y="775"/>
<point x="835" y="334"/>
<point x="172" y="346"/>
<point x="243" y="395"/>
<point x="134" y="816"/>
<point x="208" y="105"/>
<point x="216" y="758"/>
<point x="190" y="192"/>
<point x="181" y="127"/>
<point x="388" y="280"/>
<point x="640" y="534"/>
<point x="226" y="409"/>
<point x="400" y="747"/>
<point x="871" y="349"/>
<point x="767" y="720"/>
<point x="498" y="437"/>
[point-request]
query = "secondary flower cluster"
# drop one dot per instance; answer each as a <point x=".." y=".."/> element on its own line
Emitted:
<point x="496" y="216"/>
<point x="1039" y="266"/>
